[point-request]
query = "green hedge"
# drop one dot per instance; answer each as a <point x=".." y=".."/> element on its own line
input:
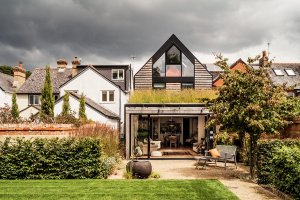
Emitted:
<point x="286" y="170"/>
<point x="67" y="158"/>
<point x="268" y="157"/>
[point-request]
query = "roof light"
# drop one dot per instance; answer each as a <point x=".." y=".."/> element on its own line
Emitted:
<point x="278" y="72"/>
<point x="290" y="72"/>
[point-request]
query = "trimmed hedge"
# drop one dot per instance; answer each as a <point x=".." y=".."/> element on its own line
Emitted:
<point x="67" y="158"/>
<point x="286" y="170"/>
<point x="269" y="155"/>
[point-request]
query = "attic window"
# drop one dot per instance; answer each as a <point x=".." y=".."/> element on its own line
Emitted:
<point x="118" y="74"/>
<point x="278" y="72"/>
<point x="290" y="72"/>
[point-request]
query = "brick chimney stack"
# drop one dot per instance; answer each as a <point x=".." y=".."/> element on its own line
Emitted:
<point x="62" y="64"/>
<point x="75" y="63"/>
<point x="263" y="61"/>
<point x="19" y="75"/>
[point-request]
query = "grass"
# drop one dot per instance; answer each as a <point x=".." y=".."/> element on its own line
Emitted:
<point x="163" y="96"/>
<point x="114" y="189"/>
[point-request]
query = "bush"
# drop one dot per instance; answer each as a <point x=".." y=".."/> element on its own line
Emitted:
<point x="67" y="158"/>
<point x="266" y="151"/>
<point x="286" y="170"/>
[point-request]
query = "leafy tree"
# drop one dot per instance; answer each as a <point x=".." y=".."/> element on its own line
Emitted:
<point x="6" y="70"/>
<point x="249" y="103"/>
<point x="66" y="105"/>
<point x="82" y="114"/>
<point x="14" y="109"/>
<point x="47" y="99"/>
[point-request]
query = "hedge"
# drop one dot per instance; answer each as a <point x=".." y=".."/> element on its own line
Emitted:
<point x="67" y="158"/>
<point x="269" y="155"/>
<point x="286" y="170"/>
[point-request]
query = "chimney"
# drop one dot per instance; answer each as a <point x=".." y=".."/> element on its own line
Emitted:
<point x="263" y="61"/>
<point x="62" y="64"/>
<point x="19" y="75"/>
<point x="75" y="63"/>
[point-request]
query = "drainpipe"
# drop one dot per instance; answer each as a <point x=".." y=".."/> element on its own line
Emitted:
<point x="120" y="108"/>
<point x="149" y="132"/>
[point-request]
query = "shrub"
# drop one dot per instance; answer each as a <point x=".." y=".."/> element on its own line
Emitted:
<point x="286" y="170"/>
<point x="67" y="158"/>
<point x="266" y="151"/>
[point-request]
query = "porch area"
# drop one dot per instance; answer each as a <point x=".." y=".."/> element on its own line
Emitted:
<point x="166" y="131"/>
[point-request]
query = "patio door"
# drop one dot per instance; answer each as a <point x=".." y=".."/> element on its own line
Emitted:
<point x="186" y="129"/>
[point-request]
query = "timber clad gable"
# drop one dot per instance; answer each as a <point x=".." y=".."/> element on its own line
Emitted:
<point x="143" y="78"/>
<point x="203" y="79"/>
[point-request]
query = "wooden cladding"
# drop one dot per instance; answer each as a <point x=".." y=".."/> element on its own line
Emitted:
<point x="143" y="78"/>
<point x="203" y="79"/>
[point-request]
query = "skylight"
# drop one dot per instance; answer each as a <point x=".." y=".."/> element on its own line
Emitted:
<point x="290" y="72"/>
<point x="278" y="72"/>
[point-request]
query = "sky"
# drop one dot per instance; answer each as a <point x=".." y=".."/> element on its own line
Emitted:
<point x="39" y="32"/>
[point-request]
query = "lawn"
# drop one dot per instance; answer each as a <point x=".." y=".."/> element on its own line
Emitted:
<point x="114" y="189"/>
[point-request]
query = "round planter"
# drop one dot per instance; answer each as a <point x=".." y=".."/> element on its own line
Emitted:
<point x="140" y="169"/>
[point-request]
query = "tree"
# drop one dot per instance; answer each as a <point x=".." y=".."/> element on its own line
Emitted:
<point x="249" y="103"/>
<point x="82" y="114"/>
<point x="47" y="99"/>
<point x="66" y="105"/>
<point x="14" y="109"/>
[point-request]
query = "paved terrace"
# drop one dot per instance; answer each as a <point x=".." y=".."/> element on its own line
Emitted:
<point x="236" y="180"/>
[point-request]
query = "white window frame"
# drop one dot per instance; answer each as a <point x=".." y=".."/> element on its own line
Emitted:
<point x="278" y="72"/>
<point x="290" y="72"/>
<point x="118" y="74"/>
<point x="35" y="97"/>
<point x="108" y="100"/>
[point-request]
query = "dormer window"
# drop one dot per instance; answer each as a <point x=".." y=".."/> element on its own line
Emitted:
<point x="278" y="72"/>
<point x="290" y="72"/>
<point x="118" y="74"/>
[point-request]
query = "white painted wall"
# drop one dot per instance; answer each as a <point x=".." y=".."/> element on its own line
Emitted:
<point x="22" y="100"/>
<point x="90" y="112"/>
<point x="28" y="112"/>
<point x="91" y="85"/>
<point x="5" y="98"/>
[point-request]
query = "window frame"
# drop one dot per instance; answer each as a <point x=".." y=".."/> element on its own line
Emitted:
<point x="108" y="97"/>
<point x="276" y="72"/>
<point x="35" y="97"/>
<point x="118" y="74"/>
<point x="290" y="72"/>
<point x="186" y="88"/>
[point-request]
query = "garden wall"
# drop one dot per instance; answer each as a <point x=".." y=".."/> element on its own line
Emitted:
<point x="293" y="130"/>
<point x="36" y="130"/>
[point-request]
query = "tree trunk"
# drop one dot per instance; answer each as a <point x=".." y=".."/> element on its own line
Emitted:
<point x="253" y="150"/>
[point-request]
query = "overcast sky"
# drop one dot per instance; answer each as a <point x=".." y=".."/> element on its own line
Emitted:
<point x="38" y="32"/>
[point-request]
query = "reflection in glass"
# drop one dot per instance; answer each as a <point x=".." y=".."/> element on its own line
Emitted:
<point x="187" y="85"/>
<point x="187" y="67"/>
<point x="159" y="67"/>
<point x="173" y="56"/>
<point x="173" y="70"/>
<point x="159" y="85"/>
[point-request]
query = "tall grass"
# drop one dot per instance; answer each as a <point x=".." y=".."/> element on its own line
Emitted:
<point x="108" y="136"/>
<point x="164" y="96"/>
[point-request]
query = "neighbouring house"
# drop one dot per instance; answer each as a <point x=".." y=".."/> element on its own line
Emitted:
<point x="106" y="86"/>
<point x="173" y="68"/>
<point x="9" y="84"/>
<point x="28" y="95"/>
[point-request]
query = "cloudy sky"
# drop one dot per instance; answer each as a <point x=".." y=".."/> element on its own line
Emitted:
<point x="38" y="32"/>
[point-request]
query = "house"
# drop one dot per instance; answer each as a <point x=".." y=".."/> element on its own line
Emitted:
<point x="173" y="68"/>
<point x="9" y="84"/>
<point x="106" y="86"/>
<point x="28" y="95"/>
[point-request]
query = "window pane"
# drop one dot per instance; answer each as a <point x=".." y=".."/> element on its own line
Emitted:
<point x="187" y="85"/>
<point x="115" y="74"/>
<point x="173" y="56"/>
<point x="121" y="75"/>
<point x="111" y="96"/>
<point x="31" y="99"/>
<point x="159" y="67"/>
<point x="104" y="95"/>
<point x="173" y="70"/>
<point x="159" y="85"/>
<point x="36" y="99"/>
<point x="187" y="67"/>
<point x="278" y="72"/>
<point x="290" y="72"/>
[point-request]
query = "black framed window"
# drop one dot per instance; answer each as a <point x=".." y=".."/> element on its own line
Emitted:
<point x="159" y="67"/>
<point x="173" y="56"/>
<point x="187" y="85"/>
<point x="173" y="70"/>
<point x="187" y="67"/>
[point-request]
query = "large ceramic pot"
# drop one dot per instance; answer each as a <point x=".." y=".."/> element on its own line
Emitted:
<point x="140" y="169"/>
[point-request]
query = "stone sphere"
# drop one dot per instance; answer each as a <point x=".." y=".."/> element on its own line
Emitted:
<point x="140" y="169"/>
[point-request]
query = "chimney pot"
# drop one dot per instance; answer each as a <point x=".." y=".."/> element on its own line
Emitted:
<point x="62" y="63"/>
<point x="75" y="62"/>
<point x="19" y="75"/>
